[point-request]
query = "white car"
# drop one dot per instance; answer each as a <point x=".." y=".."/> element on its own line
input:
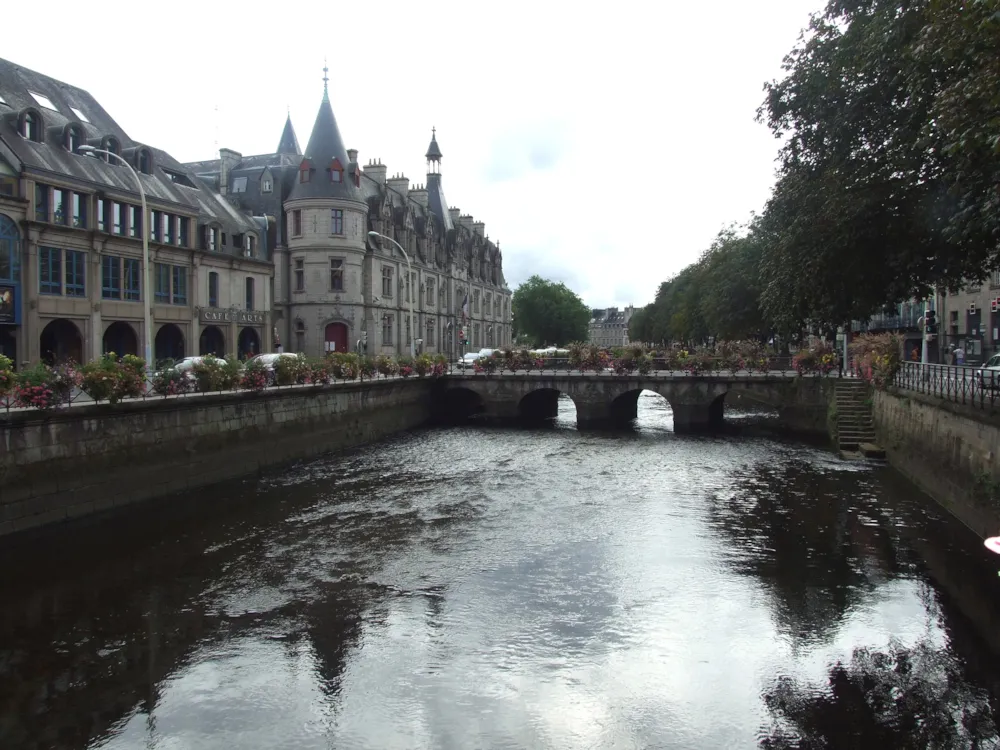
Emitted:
<point x="270" y="362"/>
<point x="989" y="374"/>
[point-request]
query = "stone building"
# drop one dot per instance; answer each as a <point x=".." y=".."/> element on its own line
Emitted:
<point x="71" y="275"/>
<point x="609" y="327"/>
<point x="337" y="289"/>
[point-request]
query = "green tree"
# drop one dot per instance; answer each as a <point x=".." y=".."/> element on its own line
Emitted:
<point x="547" y="312"/>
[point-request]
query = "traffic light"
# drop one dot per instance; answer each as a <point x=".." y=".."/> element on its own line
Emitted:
<point x="930" y="322"/>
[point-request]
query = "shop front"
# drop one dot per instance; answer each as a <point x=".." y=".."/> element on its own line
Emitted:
<point x="226" y="330"/>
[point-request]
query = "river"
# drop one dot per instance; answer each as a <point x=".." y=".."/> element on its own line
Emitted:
<point x="472" y="587"/>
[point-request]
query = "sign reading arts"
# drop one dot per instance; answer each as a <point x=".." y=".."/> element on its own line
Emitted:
<point x="240" y="317"/>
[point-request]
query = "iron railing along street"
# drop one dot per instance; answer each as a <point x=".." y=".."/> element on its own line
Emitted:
<point x="959" y="384"/>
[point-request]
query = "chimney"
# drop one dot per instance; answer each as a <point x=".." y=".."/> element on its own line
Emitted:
<point x="376" y="171"/>
<point x="466" y="221"/>
<point x="399" y="183"/>
<point x="352" y="155"/>
<point x="419" y="194"/>
<point x="479" y="228"/>
<point x="454" y="214"/>
<point x="228" y="159"/>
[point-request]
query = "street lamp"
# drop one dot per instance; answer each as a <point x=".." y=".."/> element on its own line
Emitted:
<point x="409" y="282"/>
<point x="144" y="230"/>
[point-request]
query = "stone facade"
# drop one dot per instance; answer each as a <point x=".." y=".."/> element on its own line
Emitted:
<point x="609" y="328"/>
<point x="72" y="284"/>
<point x="336" y="287"/>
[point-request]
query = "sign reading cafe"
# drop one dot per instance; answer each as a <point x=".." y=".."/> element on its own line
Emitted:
<point x="240" y="317"/>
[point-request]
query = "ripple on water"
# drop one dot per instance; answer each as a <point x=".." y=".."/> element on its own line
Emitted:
<point x="545" y="588"/>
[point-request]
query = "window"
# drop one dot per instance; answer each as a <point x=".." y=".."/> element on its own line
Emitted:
<point x="489" y="303"/>
<point x="336" y="221"/>
<point x="475" y="336"/>
<point x="60" y="206"/>
<point x="73" y="139"/>
<point x="265" y="186"/>
<point x="182" y="236"/>
<point x="443" y="299"/>
<point x="387" y="281"/>
<point x="336" y="175"/>
<point x="489" y="337"/>
<point x="995" y="280"/>
<point x="134" y="222"/>
<point x="76" y="273"/>
<point x="43" y="101"/>
<point x="162" y="287"/>
<point x="49" y="270"/>
<point x="30" y="127"/>
<point x="145" y="162"/>
<point x="496" y="308"/>
<point x="300" y="275"/>
<point x="300" y="336"/>
<point x="387" y="330"/>
<point x="239" y="184"/>
<point x="475" y="301"/>
<point x="213" y="289"/>
<point x="430" y="292"/>
<point x="111" y="277"/>
<point x="79" y="115"/>
<point x="336" y="274"/>
<point x="429" y="336"/>
<point x="249" y="285"/>
<point x="41" y="202"/>
<point x="80" y="211"/>
<point x="211" y="238"/>
<point x="304" y="173"/>
<point x="180" y="295"/>
<point x="112" y="145"/>
<point x="296" y="222"/>
<point x="409" y="330"/>
<point x="10" y="242"/>
<point x="167" y="231"/>
<point x="132" y="283"/>
<point x="156" y="226"/>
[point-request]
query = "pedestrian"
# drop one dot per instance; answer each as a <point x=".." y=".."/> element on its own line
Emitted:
<point x="960" y="356"/>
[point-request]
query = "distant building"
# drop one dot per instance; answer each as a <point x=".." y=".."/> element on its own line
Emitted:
<point x="71" y="276"/>
<point x="609" y="327"/>
<point x="335" y="288"/>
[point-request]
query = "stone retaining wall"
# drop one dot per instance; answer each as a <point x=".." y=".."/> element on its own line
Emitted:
<point x="91" y="458"/>
<point x="948" y="450"/>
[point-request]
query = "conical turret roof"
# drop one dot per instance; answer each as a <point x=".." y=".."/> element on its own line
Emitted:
<point x="289" y="143"/>
<point x="433" y="150"/>
<point x="324" y="148"/>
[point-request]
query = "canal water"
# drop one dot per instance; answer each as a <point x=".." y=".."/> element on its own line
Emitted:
<point x="499" y="588"/>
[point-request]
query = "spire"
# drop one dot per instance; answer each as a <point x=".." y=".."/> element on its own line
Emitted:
<point x="326" y="80"/>
<point x="433" y="151"/>
<point x="289" y="143"/>
<point x="435" y="193"/>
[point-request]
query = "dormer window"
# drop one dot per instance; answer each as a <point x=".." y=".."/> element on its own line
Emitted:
<point x="145" y="161"/>
<point x="31" y="126"/>
<point x="265" y="186"/>
<point x="111" y="144"/>
<point x="305" y="168"/>
<point x="336" y="171"/>
<point x="74" y="139"/>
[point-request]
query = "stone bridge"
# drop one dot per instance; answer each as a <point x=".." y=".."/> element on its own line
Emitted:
<point x="697" y="402"/>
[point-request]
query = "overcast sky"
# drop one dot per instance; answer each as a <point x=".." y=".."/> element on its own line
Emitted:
<point x="603" y="144"/>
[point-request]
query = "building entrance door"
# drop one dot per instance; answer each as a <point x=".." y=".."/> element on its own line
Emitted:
<point x="336" y="337"/>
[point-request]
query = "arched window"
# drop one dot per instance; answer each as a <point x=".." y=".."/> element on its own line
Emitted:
<point x="145" y="161"/>
<point x="74" y="139"/>
<point x="111" y="144"/>
<point x="31" y="126"/>
<point x="10" y="250"/>
<point x="300" y="336"/>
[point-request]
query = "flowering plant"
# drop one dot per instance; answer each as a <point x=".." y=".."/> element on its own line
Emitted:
<point x="111" y="379"/>
<point x="367" y="367"/>
<point x="346" y="365"/>
<point x="209" y="373"/>
<point x="486" y="364"/>
<point x="45" y="387"/>
<point x="423" y="365"/>
<point x="254" y="376"/>
<point x="876" y="357"/>
<point x="290" y="370"/>
<point x="386" y="366"/>
<point x="170" y="381"/>
<point x="319" y="372"/>
<point x="7" y="378"/>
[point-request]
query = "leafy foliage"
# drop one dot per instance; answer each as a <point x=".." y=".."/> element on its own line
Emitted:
<point x="546" y="312"/>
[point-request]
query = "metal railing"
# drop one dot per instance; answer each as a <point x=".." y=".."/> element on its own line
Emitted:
<point x="780" y="367"/>
<point x="959" y="384"/>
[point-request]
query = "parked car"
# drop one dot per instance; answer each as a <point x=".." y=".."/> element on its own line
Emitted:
<point x="989" y="373"/>
<point x="469" y="360"/>
<point x="270" y="362"/>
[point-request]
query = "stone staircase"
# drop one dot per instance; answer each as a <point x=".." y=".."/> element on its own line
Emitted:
<point x="854" y="416"/>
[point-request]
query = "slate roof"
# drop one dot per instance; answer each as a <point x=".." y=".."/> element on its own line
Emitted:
<point x="325" y="145"/>
<point x="289" y="144"/>
<point x="74" y="106"/>
<point x="433" y="150"/>
<point x="610" y="316"/>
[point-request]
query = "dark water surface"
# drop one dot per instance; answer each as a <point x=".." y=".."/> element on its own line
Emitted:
<point x="480" y="588"/>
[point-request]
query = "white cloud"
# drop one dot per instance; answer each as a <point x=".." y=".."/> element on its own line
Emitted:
<point x="569" y="129"/>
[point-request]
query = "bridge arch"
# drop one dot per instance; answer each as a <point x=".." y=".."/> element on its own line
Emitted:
<point x="458" y="404"/>
<point x="541" y="404"/>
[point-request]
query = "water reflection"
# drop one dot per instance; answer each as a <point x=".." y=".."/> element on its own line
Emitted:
<point x="482" y="587"/>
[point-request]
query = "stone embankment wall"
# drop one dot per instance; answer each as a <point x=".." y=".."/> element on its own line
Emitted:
<point x="91" y="458"/>
<point x="950" y="451"/>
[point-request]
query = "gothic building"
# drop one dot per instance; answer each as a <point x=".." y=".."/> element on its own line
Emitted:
<point x="72" y="281"/>
<point x="335" y="287"/>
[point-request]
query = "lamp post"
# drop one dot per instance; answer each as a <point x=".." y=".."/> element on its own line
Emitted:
<point x="144" y="230"/>
<point x="409" y="282"/>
